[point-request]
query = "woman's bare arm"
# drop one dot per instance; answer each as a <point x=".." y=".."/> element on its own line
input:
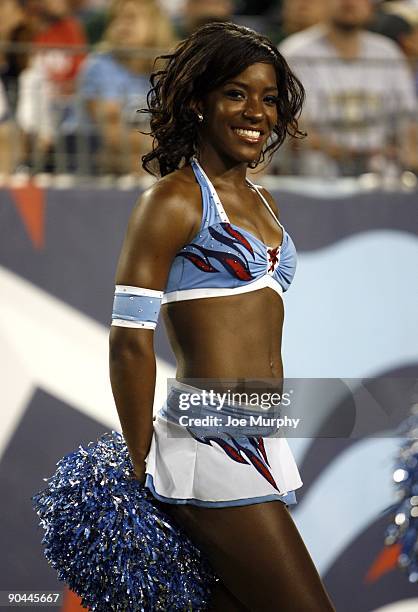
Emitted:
<point x="160" y="224"/>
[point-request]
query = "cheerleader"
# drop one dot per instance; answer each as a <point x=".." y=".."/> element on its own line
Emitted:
<point x="205" y="248"/>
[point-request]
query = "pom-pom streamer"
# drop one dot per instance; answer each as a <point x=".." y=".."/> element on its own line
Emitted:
<point x="403" y="529"/>
<point x="111" y="541"/>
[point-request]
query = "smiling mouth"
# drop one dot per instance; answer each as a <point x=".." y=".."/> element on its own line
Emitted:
<point x="252" y="136"/>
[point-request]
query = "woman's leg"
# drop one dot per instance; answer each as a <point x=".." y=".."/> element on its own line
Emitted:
<point x="224" y="601"/>
<point x="259" y="555"/>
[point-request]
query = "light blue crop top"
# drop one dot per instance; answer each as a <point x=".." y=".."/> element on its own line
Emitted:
<point x="225" y="259"/>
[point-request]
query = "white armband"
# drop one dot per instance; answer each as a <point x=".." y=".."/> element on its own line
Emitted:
<point x="136" y="307"/>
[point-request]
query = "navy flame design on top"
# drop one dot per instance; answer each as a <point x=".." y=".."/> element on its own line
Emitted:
<point x="236" y="237"/>
<point x="236" y="265"/>
<point x="249" y="450"/>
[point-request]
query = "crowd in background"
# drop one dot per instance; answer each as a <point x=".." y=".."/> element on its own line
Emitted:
<point x="75" y="72"/>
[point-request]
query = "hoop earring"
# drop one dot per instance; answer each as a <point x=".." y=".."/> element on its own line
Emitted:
<point x="199" y="117"/>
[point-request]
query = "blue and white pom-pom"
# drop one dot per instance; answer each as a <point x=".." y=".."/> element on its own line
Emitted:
<point x="110" y="540"/>
<point x="403" y="530"/>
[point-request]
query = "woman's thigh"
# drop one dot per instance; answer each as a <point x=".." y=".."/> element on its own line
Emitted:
<point x="224" y="601"/>
<point x="259" y="555"/>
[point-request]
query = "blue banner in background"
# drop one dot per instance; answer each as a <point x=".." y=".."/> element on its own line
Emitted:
<point x="350" y="313"/>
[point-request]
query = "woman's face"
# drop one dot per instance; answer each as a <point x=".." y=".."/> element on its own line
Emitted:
<point x="239" y="116"/>
<point x="55" y="8"/>
<point x="131" y="26"/>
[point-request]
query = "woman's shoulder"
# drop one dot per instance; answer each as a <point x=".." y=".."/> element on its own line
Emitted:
<point x="177" y="194"/>
<point x="178" y="185"/>
<point x="164" y="214"/>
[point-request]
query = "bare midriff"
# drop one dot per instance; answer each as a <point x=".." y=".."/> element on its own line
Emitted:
<point x="229" y="337"/>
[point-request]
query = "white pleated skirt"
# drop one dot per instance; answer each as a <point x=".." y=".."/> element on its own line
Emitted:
<point x="184" y="466"/>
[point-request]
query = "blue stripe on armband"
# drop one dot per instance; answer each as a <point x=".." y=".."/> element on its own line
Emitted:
<point x="136" y="307"/>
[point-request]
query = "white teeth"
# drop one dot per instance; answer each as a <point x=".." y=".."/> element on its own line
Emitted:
<point x="249" y="133"/>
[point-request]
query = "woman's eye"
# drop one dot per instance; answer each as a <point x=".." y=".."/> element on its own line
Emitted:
<point x="233" y="93"/>
<point x="271" y="99"/>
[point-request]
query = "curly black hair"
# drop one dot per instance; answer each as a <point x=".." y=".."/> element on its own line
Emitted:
<point x="209" y="57"/>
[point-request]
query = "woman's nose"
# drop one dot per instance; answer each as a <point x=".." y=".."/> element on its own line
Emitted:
<point x="253" y="109"/>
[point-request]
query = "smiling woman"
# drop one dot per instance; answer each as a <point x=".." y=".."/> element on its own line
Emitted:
<point x="243" y="111"/>
<point x="197" y="245"/>
<point x="199" y="69"/>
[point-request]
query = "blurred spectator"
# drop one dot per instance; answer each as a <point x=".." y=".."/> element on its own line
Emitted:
<point x="80" y="7"/>
<point x="360" y="94"/>
<point x="115" y="81"/>
<point x="60" y="29"/>
<point x="11" y="19"/>
<point x="297" y="15"/>
<point x="46" y="102"/>
<point x="254" y="7"/>
<point x="6" y="132"/>
<point x="11" y="16"/>
<point x="94" y="15"/>
<point x="4" y="107"/>
<point x="198" y="12"/>
<point x="399" y="21"/>
<point x="173" y="8"/>
<point x="95" y="26"/>
<point x="29" y="27"/>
